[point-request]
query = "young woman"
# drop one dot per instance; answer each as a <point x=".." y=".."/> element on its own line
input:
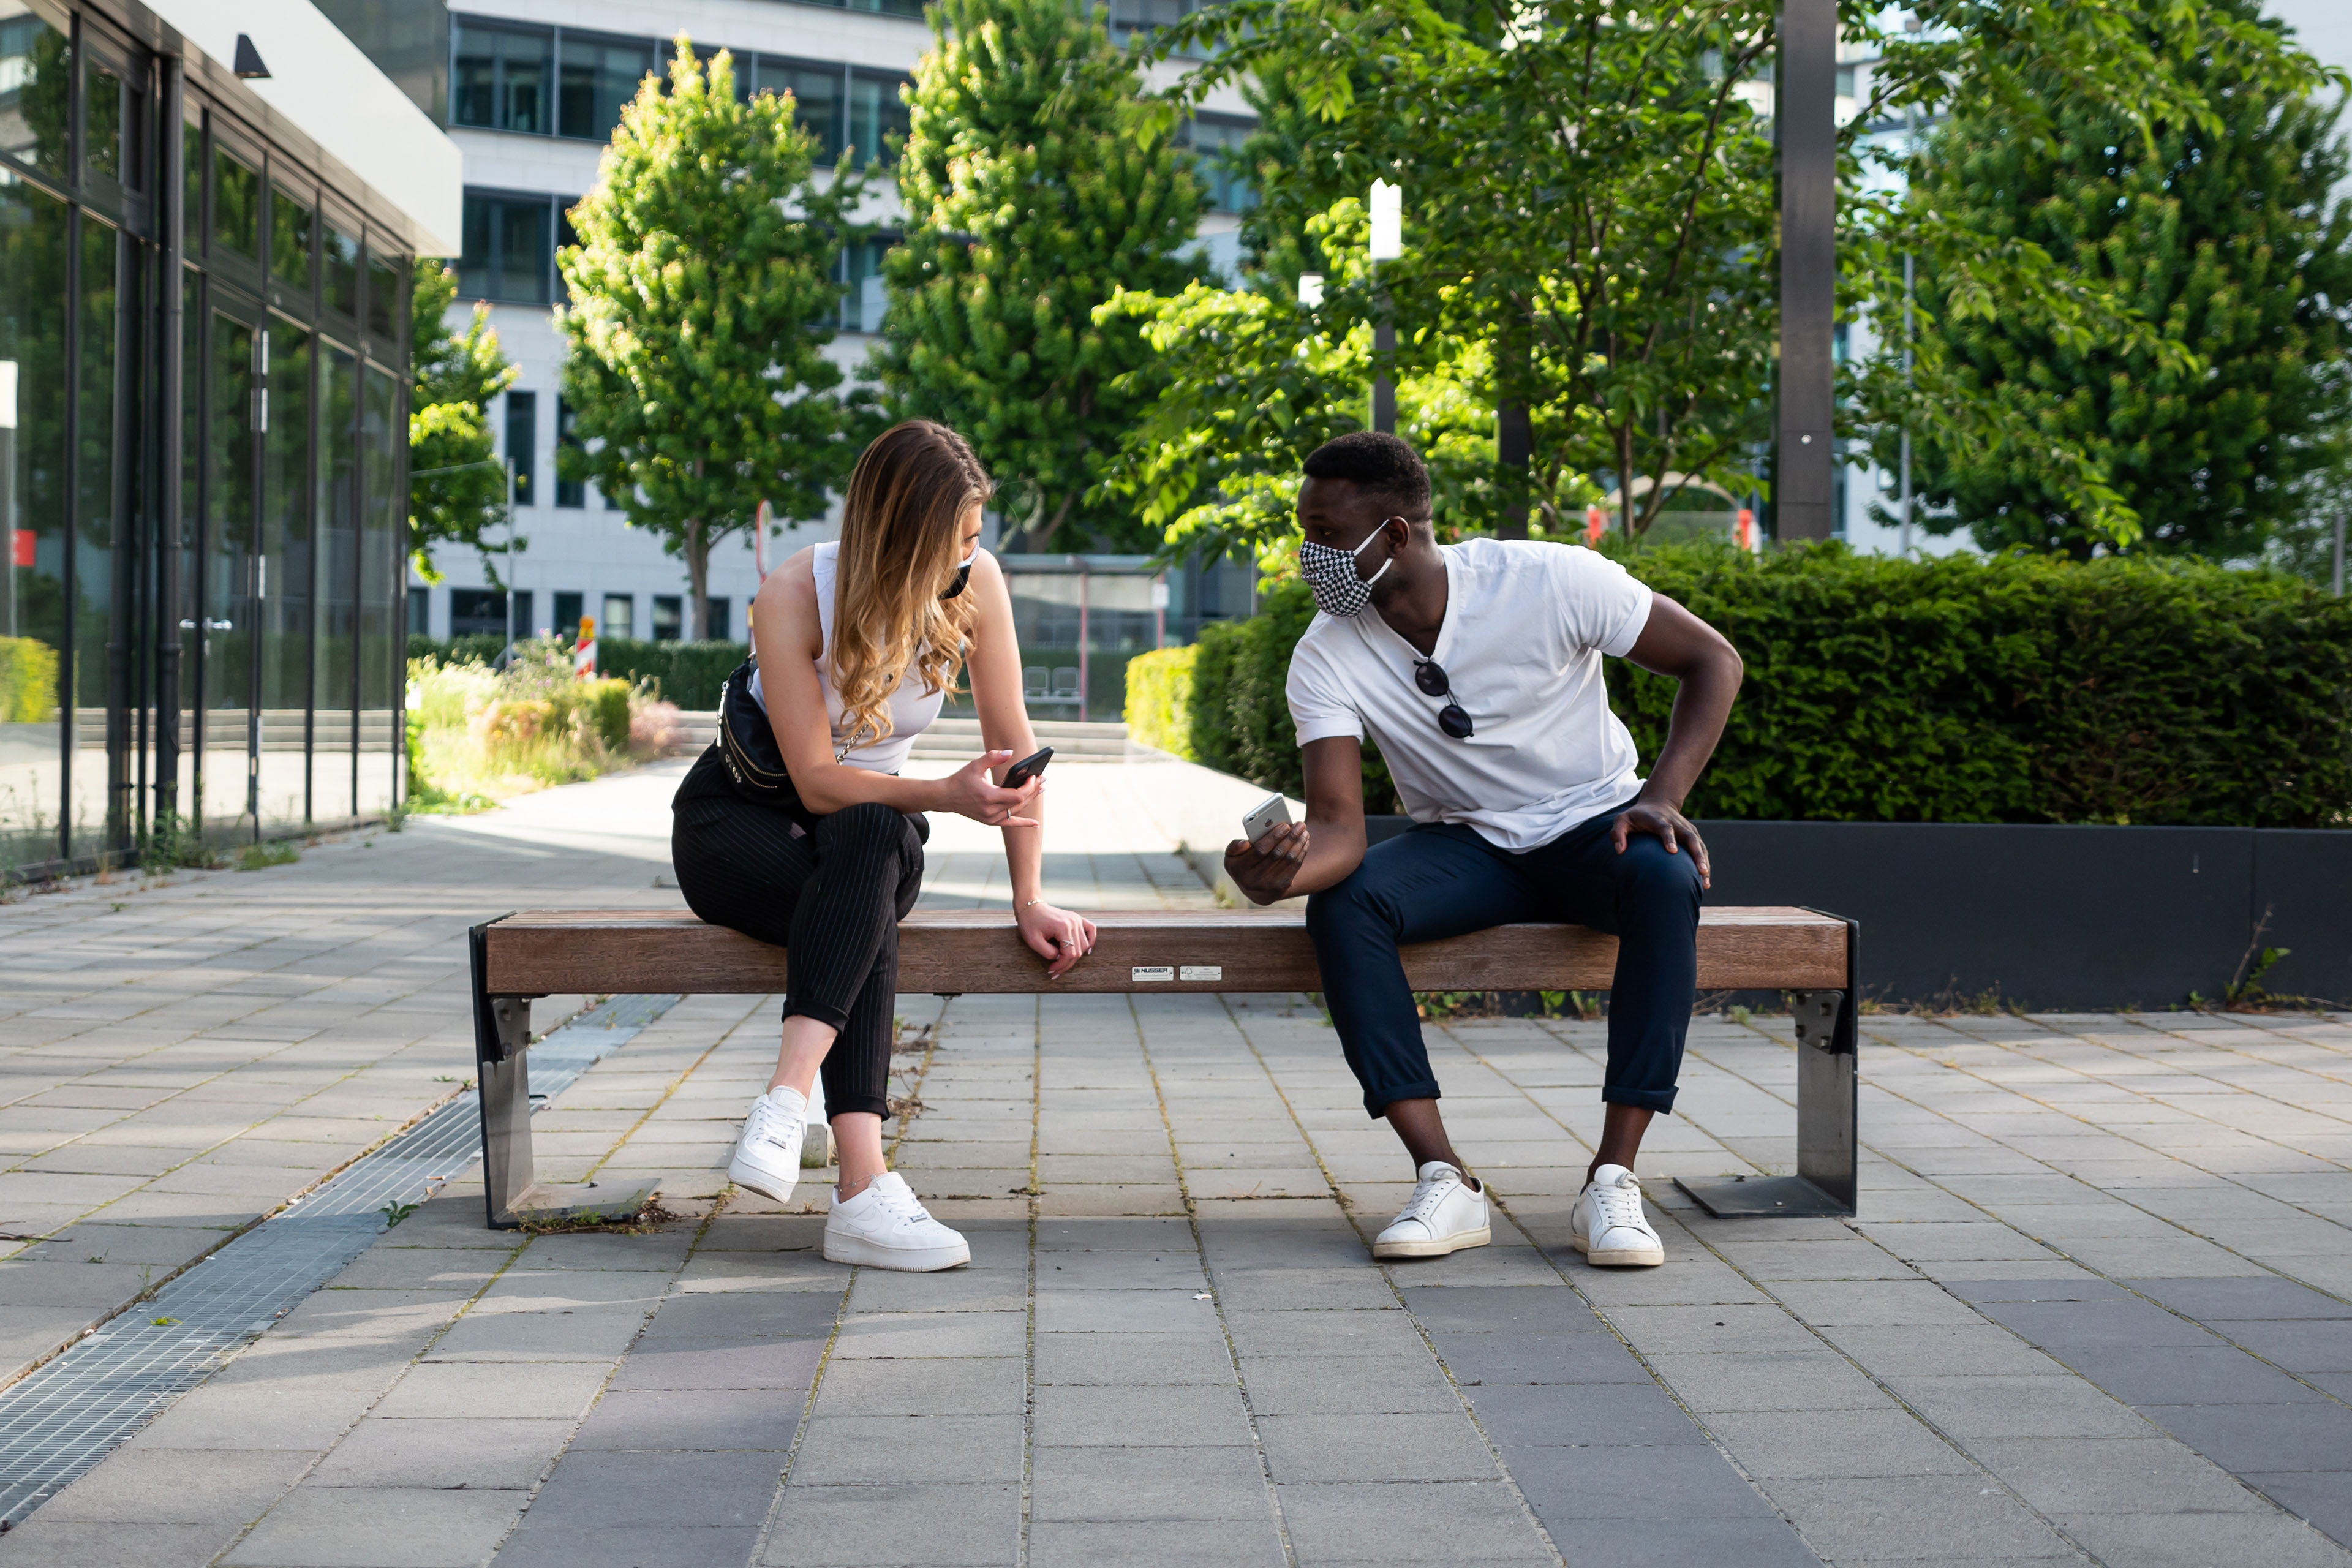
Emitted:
<point x="858" y="644"/>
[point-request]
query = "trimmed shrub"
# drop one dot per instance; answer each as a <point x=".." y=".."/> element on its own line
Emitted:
<point x="474" y="647"/>
<point x="1160" y="698"/>
<point x="688" y="674"/>
<point x="2018" y="688"/>
<point x="28" y="681"/>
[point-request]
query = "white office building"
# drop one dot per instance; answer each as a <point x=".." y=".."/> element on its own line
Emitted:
<point x="530" y="91"/>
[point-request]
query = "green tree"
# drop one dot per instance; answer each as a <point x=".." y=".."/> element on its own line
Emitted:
<point x="2223" y="236"/>
<point x="1589" y="193"/>
<point x="702" y="294"/>
<point x="456" y="486"/>
<point x="1036" y="182"/>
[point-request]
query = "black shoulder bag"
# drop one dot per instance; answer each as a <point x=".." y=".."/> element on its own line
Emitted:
<point x="755" y="764"/>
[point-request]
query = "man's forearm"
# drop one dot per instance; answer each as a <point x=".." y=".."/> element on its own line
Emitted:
<point x="1702" y="707"/>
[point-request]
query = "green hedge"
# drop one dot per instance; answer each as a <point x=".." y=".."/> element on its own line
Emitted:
<point x="480" y="646"/>
<point x="690" y="673"/>
<point x="1235" y="719"/>
<point x="1967" y="690"/>
<point x="1160" y="698"/>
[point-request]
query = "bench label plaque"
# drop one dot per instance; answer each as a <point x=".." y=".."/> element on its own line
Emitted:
<point x="1202" y="972"/>
<point x="1142" y="973"/>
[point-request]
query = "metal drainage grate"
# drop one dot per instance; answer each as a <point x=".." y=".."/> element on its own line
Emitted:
<point x="72" y="1413"/>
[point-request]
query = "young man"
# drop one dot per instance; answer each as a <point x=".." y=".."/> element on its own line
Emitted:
<point x="1476" y="669"/>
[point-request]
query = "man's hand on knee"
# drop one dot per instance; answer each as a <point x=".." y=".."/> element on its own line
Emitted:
<point x="1668" y="826"/>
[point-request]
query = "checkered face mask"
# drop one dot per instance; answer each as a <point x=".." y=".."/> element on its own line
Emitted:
<point x="1331" y="574"/>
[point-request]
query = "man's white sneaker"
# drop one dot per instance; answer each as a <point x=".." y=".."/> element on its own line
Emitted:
<point x="884" y="1227"/>
<point x="1608" y="1226"/>
<point x="1447" y="1214"/>
<point x="768" y="1155"/>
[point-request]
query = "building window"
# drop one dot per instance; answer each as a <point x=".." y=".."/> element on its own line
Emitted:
<point x="876" y="114"/>
<point x="420" y="612"/>
<point x="510" y="254"/>
<point x="669" y="617"/>
<point x="523" y="445"/>
<point x="474" y="611"/>
<point x="568" y="610"/>
<point x="1216" y="143"/>
<point x="1131" y="19"/>
<point x="816" y="92"/>
<point x="499" y="76"/>
<point x="386" y="294"/>
<point x="343" y="271"/>
<point x="292" y="221"/>
<point x="862" y="297"/>
<point x="722" y="611"/>
<point x="236" y="203"/>
<point x="620" y="616"/>
<point x="598" y="76"/>
<point x="568" y="492"/>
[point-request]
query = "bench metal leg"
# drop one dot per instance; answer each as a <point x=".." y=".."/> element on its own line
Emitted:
<point x="1829" y="1146"/>
<point x="502" y="1083"/>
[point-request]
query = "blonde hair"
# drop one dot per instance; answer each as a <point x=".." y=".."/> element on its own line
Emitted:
<point x="899" y="552"/>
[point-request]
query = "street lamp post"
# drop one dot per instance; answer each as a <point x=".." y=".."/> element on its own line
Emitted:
<point x="1805" y="120"/>
<point x="1387" y="245"/>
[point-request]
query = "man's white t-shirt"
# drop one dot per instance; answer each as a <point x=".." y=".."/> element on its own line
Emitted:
<point x="1526" y="627"/>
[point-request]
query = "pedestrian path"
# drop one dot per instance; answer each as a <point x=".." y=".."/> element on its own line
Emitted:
<point x="2095" y="1307"/>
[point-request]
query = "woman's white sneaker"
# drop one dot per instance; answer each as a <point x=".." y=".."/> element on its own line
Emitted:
<point x="1608" y="1226"/>
<point x="1447" y="1214"/>
<point x="884" y="1227"/>
<point x="768" y="1155"/>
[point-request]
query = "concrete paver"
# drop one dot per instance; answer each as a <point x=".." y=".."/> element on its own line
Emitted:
<point x="2095" y="1307"/>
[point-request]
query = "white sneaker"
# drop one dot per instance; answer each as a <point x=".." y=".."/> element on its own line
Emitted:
<point x="1608" y="1226"/>
<point x="1447" y="1214"/>
<point x="884" y="1227"/>
<point x="768" y="1155"/>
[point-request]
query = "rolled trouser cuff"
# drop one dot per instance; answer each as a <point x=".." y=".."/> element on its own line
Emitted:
<point x="830" y="1017"/>
<point x="1377" y="1101"/>
<point x="1660" y="1100"/>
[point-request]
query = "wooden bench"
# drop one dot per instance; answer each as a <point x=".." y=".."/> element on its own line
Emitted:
<point x="542" y="953"/>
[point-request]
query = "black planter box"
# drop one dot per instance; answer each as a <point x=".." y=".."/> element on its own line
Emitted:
<point x="2053" y="918"/>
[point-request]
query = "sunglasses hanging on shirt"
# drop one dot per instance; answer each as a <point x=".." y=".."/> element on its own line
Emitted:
<point x="1430" y="676"/>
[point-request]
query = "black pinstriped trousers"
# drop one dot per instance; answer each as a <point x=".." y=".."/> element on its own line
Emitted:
<point x="831" y="898"/>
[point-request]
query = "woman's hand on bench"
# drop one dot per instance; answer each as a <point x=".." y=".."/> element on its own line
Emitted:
<point x="1057" y="936"/>
<point x="969" y="792"/>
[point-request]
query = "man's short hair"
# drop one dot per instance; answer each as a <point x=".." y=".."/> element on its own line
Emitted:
<point x="1381" y="464"/>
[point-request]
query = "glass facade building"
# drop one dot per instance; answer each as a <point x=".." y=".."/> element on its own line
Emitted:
<point x="204" y="372"/>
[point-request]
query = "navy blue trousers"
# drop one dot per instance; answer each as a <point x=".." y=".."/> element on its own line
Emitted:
<point x="1438" y="880"/>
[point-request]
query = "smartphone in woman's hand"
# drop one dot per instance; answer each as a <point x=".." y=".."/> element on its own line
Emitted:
<point x="1027" y="768"/>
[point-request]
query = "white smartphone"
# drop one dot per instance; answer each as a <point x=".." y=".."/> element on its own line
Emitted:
<point x="1267" y="814"/>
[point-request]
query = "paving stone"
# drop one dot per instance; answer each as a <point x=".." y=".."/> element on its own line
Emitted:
<point x="1132" y="1361"/>
<point x="933" y="1334"/>
<point x="1490" y="1359"/>
<point x="176" y="1486"/>
<point x="1421" y="1449"/>
<point x="482" y="1452"/>
<point x="1738" y="1380"/>
<point x="1598" y="1413"/>
<point x="921" y="1526"/>
<point x="595" y="1490"/>
<point x="1067" y="1416"/>
<point x="2323" y="1498"/>
<point x="1665" y="1484"/>
<point x="1133" y="1484"/>
<point x="1198" y="1543"/>
<point x="554" y="1390"/>
<point x="2263" y="1296"/>
<point x="883" y="1450"/>
<point x="702" y="1418"/>
<point x="745" y="1316"/>
<point x="45" y="1542"/>
<point x="2202" y="1540"/>
<point x="976" y="1386"/>
<point x="561" y="1543"/>
<point x="1320" y="1386"/>
<point x="1830" y="1444"/>
<point x="352" y="1527"/>
<point x="1358" y="1522"/>
<point x="1893" y="1517"/>
<point x="2248" y="1438"/>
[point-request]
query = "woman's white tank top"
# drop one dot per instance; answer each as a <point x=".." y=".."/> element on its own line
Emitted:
<point x="912" y="710"/>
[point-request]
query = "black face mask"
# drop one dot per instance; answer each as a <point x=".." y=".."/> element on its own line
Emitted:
<point x="963" y="575"/>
